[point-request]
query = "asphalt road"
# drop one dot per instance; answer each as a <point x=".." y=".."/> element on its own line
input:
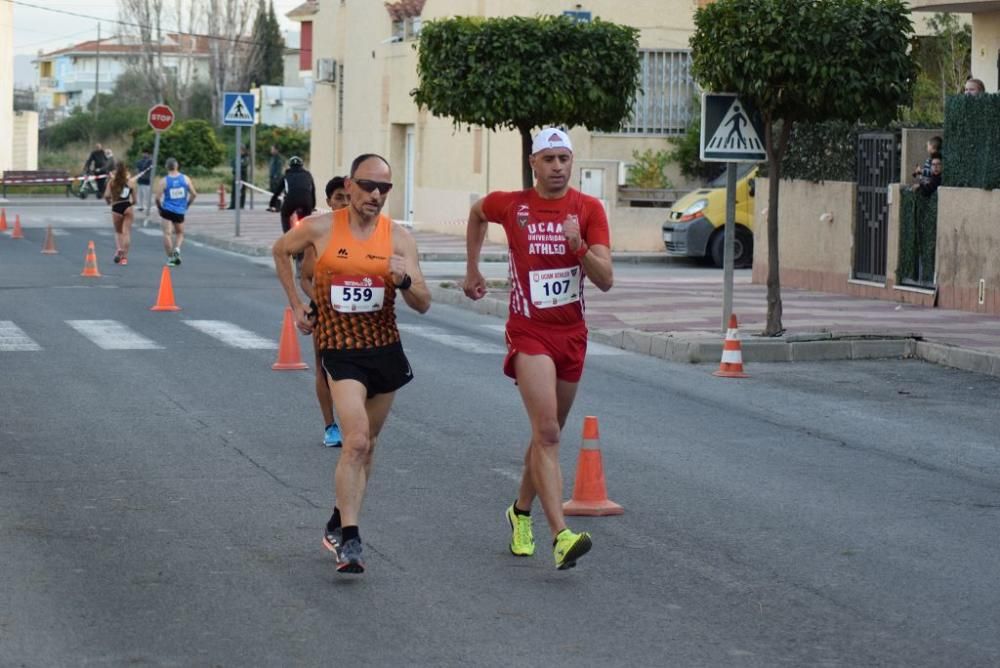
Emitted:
<point x="163" y="504"/>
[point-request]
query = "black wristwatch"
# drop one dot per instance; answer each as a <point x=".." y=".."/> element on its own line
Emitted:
<point x="406" y="283"/>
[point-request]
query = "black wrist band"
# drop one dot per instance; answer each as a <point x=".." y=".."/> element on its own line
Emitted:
<point x="407" y="282"/>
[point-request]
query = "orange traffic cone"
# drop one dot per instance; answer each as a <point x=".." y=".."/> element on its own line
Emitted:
<point x="18" y="233"/>
<point x="3" y="220"/>
<point x="590" y="496"/>
<point x="289" y="355"/>
<point x="49" y="247"/>
<point x="222" y="196"/>
<point x="731" y="365"/>
<point x="90" y="263"/>
<point x="165" y="300"/>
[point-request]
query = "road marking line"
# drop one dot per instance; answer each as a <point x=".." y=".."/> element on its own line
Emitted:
<point x="112" y="335"/>
<point x="506" y="473"/>
<point x="464" y="343"/>
<point x="232" y="335"/>
<point x="13" y="338"/>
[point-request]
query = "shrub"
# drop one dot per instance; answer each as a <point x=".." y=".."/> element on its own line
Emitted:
<point x="192" y="142"/>
<point x="971" y="138"/>
<point x="647" y="170"/>
<point x="290" y="141"/>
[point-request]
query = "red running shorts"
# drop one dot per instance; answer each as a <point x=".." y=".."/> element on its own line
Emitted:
<point x="565" y="344"/>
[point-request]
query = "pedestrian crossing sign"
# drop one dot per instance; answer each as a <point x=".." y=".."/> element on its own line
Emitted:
<point x="731" y="131"/>
<point x="238" y="109"/>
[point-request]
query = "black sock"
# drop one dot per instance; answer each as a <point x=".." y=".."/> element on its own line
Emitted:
<point x="522" y="513"/>
<point x="350" y="532"/>
<point x="334" y="522"/>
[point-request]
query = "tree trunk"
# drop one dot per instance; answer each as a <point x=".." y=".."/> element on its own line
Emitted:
<point x="527" y="177"/>
<point x="775" y="151"/>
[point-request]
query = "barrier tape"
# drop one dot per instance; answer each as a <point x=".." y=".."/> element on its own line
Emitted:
<point x="253" y="187"/>
<point x="68" y="179"/>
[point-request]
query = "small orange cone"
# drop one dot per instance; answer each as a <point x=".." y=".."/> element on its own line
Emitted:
<point x="222" y="197"/>
<point x="49" y="247"/>
<point x="18" y="233"/>
<point x="165" y="300"/>
<point x="289" y="355"/>
<point x="590" y="495"/>
<point x="3" y="220"/>
<point x="731" y="365"/>
<point x="90" y="262"/>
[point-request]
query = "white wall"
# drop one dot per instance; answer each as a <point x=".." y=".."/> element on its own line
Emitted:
<point x="24" y="148"/>
<point x="6" y="85"/>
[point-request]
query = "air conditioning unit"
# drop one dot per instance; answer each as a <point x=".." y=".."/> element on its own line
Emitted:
<point x="326" y="70"/>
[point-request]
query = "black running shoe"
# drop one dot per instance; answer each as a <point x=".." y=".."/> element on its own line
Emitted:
<point x="332" y="541"/>
<point x="350" y="558"/>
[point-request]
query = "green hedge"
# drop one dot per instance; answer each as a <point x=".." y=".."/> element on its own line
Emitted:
<point x="917" y="238"/>
<point x="193" y="143"/>
<point x="825" y="151"/>
<point x="972" y="141"/>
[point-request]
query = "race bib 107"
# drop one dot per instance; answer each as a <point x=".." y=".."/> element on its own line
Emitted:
<point x="554" y="287"/>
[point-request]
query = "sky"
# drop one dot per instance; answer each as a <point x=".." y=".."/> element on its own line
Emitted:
<point x="36" y="28"/>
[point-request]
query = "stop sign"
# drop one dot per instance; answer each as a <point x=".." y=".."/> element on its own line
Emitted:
<point x="161" y="117"/>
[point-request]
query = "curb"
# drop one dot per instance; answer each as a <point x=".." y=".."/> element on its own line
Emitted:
<point x="706" y="347"/>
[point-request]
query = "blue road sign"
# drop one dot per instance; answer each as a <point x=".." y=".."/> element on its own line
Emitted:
<point x="238" y="109"/>
<point x="731" y="131"/>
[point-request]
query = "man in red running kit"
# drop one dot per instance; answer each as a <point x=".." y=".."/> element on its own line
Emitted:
<point x="557" y="236"/>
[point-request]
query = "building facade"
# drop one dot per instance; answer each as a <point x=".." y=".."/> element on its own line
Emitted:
<point x="985" y="34"/>
<point x="364" y="68"/>
<point x="6" y="85"/>
<point x="69" y="78"/>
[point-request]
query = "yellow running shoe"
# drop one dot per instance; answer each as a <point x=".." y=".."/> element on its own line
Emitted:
<point x="569" y="547"/>
<point x="522" y="542"/>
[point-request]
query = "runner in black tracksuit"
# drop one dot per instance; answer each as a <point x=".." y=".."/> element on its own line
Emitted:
<point x="299" y="191"/>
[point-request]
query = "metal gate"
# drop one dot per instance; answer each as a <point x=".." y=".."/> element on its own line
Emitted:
<point x="877" y="169"/>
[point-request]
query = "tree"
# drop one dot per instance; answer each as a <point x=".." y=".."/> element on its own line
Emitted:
<point x="227" y="23"/>
<point x="145" y="19"/>
<point x="522" y="73"/>
<point x="944" y="59"/>
<point x="804" y="61"/>
<point x="268" y="50"/>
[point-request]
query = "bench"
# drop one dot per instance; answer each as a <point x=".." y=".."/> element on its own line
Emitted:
<point x="36" y="177"/>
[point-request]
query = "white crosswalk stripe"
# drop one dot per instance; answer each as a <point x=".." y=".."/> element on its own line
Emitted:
<point x="13" y="338"/>
<point x="112" y="335"/>
<point x="464" y="343"/>
<point x="232" y="335"/>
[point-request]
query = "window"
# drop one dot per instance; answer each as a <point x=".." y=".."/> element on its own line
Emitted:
<point x="664" y="105"/>
<point x="306" y="47"/>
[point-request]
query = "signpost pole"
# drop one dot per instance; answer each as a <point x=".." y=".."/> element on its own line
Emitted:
<point x="253" y="159"/>
<point x="730" y="236"/>
<point x="152" y="176"/>
<point x="160" y="118"/>
<point x="239" y="177"/>
<point x="731" y="132"/>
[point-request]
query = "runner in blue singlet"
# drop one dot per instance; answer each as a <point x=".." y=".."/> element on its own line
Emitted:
<point x="174" y="194"/>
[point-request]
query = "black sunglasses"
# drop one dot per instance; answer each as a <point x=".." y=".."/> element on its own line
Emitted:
<point x="368" y="185"/>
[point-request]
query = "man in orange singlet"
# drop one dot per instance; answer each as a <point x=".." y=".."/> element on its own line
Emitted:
<point x="364" y="261"/>
<point x="557" y="236"/>
<point x="336" y="198"/>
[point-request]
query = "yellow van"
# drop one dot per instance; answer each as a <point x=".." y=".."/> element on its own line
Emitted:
<point x="696" y="222"/>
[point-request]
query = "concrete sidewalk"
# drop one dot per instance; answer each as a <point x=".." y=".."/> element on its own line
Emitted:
<point x="679" y="318"/>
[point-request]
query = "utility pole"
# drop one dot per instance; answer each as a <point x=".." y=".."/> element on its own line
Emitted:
<point x="97" y="75"/>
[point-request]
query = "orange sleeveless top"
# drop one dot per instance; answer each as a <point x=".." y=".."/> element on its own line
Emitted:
<point x="346" y="262"/>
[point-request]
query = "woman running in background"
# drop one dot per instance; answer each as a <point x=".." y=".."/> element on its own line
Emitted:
<point x="121" y="195"/>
